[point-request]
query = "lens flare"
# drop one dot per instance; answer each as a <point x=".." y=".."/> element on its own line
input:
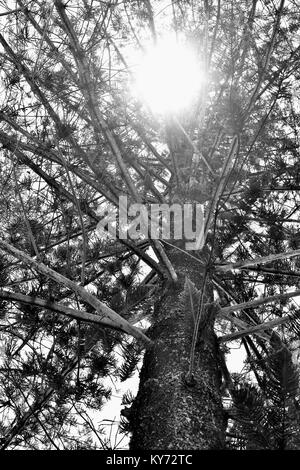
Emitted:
<point x="169" y="77"/>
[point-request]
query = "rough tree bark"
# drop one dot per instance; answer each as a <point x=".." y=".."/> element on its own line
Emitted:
<point x="167" y="413"/>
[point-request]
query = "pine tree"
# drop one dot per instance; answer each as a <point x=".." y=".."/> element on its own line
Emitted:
<point x="74" y="139"/>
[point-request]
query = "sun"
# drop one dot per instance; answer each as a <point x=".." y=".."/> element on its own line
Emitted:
<point x="168" y="77"/>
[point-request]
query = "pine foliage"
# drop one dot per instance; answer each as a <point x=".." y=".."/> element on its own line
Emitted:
<point x="267" y="416"/>
<point x="131" y="354"/>
<point x="73" y="138"/>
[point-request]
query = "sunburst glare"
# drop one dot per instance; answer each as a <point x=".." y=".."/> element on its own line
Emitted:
<point x="169" y="77"/>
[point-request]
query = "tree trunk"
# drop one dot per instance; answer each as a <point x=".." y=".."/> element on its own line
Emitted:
<point x="167" y="412"/>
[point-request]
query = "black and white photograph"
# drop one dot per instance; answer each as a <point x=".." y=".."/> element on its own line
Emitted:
<point x="149" y="229"/>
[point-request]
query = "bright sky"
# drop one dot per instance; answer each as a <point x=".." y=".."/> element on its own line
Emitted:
<point x="169" y="76"/>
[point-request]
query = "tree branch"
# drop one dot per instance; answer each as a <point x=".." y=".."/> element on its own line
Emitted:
<point x="256" y="329"/>
<point x="58" y="308"/>
<point x="261" y="301"/>
<point x="255" y="261"/>
<point x="103" y="310"/>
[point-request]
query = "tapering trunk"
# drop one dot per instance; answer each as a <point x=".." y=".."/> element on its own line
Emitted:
<point x="168" y="413"/>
